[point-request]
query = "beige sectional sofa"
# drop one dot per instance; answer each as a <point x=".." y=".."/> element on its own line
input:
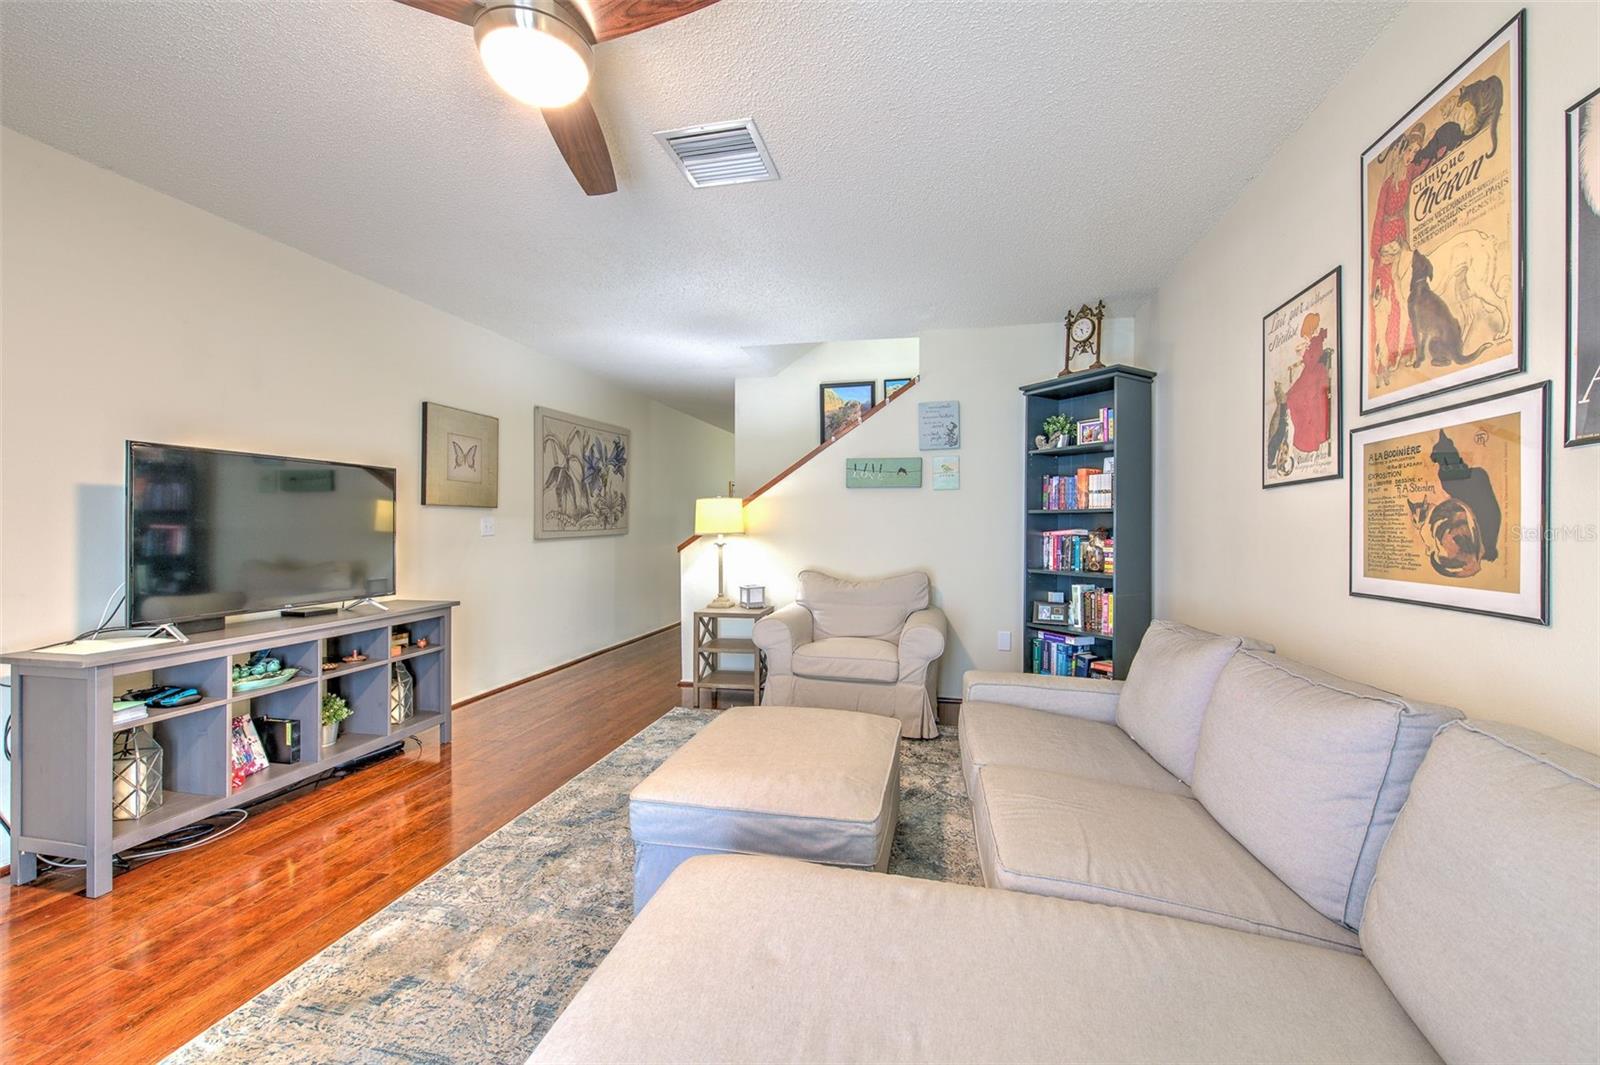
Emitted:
<point x="1220" y="782"/>
<point x="1292" y="868"/>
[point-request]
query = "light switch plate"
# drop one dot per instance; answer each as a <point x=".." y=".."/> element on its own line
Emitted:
<point x="485" y="526"/>
<point x="1002" y="641"/>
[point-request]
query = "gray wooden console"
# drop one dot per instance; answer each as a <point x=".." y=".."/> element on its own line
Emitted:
<point x="62" y="729"/>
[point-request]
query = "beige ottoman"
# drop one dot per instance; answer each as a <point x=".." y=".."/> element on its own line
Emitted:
<point x="792" y="781"/>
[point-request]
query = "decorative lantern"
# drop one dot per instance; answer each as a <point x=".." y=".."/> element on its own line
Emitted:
<point x="402" y="695"/>
<point x="753" y="596"/>
<point x="135" y="774"/>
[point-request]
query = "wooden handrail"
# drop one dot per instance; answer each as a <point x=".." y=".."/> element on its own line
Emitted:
<point x="819" y="449"/>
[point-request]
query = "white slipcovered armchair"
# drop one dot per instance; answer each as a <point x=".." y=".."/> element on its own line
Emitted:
<point x="872" y="646"/>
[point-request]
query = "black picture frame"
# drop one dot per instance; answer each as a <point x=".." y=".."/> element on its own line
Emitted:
<point x="1518" y="24"/>
<point x="822" y="404"/>
<point x="1336" y="374"/>
<point x="891" y="385"/>
<point x="1358" y="483"/>
<point x="1570" y="436"/>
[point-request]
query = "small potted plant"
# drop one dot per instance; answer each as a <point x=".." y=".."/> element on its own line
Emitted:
<point x="334" y="710"/>
<point x="1058" y="430"/>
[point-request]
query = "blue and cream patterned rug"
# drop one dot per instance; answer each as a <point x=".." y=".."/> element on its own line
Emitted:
<point x="474" y="963"/>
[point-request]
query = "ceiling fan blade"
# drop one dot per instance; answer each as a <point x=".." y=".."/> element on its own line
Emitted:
<point x="576" y="129"/>
<point x="618" y="18"/>
<point x="463" y="11"/>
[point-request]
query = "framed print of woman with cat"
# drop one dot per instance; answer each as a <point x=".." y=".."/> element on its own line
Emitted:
<point x="1302" y="399"/>
<point x="1583" y="271"/>
<point x="1441" y="230"/>
<point x="1449" y="508"/>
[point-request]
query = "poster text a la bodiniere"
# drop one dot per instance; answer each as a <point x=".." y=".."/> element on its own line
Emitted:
<point x="1448" y="508"/>
<point x="1442" y="269"/>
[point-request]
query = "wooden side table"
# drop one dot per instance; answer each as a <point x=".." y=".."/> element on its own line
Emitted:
<point x="710" y="644"/>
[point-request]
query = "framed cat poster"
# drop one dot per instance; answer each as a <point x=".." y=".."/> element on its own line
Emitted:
<point x="1583" y="271"/>
<point x="1449" y="508"/>
<point x="1441" y="234"/>
<point x="1302" y="398"/>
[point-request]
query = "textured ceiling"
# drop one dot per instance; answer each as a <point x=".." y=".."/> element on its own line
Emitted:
<point x="944" y="164"/>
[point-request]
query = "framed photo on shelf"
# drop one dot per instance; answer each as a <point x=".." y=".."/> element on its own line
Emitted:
<point x="1442" y="272"/>
<point x="1449" y="508"/>
<point x="891" y="385"/>
<point x="1302" y="397"/>
<point x="1583" y="272"/>
<point x="843" y="404"/>
<point x="1051" y="613"/>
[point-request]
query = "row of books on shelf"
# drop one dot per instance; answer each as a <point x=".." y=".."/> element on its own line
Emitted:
<point x="1078" y="550"/>
<point x="1084" y="606"/>
<point x="1058" y="655"/>
<point x="1086" y="489"/>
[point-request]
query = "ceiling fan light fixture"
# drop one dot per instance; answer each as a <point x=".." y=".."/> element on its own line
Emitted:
<point x="533" y="54"/>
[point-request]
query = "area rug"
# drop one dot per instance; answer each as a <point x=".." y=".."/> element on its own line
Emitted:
<point x="474" y="963"/>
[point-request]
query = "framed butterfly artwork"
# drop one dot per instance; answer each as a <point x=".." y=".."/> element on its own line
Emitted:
<point x="460" y="457"/>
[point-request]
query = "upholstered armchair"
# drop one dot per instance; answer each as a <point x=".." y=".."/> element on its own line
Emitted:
<point x="872" y="646"/>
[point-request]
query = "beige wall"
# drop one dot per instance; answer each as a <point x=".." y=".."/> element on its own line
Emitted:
<point x="1233" y="557"/>
<point x="776" y="418"/>
<point x="970" y="540"/>
<point x="130" y="314"/>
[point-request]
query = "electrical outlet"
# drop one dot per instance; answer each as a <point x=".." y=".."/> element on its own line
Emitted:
<point x="485" y="526"/>
<point x="1002" y="641"/>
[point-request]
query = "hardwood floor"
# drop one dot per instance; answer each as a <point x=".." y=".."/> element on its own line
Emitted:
<point x="184" y="939"/>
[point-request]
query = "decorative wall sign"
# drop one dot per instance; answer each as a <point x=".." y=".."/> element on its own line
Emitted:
<point x="946" y="473"/>
<point x="1441" y="230"/>
<point x="1301" y="360"/>
<point x="460" y="457"/>
<point x="939" y="425"/>
<point x="891" y="385"/>
<point x="843" y="405"/>
<point x="1449" y="508"/>
<point x="1583" y="271"/>
<point x="583" y="468"/>
<point x="883" y="473"/>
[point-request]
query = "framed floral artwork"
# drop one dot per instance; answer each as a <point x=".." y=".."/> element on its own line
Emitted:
<point x="584" y="468"/>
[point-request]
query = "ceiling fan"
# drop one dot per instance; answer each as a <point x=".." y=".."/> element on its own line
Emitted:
<point x="541" y="52"/>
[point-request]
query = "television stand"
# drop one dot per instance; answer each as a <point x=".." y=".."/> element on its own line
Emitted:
<point x="62" y="731"/>
<point x="170" y="630"/>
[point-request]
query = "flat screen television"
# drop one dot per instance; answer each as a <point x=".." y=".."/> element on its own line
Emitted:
<point x="212" y="533"/>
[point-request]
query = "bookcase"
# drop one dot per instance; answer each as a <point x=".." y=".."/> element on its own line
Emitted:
<point x="1126" y="392"/>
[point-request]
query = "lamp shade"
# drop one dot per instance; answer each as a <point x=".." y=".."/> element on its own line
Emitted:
<point x="717" y="515"/>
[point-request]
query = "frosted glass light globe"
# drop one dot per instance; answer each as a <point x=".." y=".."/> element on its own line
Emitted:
<point x="533" y="57"/>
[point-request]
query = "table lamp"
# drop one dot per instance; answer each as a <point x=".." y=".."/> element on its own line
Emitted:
<point x="719" y="515"/>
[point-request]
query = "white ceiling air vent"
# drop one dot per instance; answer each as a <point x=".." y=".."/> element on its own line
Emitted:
<point x="721" y="153"/>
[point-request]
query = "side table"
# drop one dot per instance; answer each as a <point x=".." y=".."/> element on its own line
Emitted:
<point x="710" y="644"/>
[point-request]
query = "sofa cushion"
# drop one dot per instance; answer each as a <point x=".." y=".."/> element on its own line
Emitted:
<point x="743" y="959"/>
<point x="1169" y="684"/>
<point x="1001" y="734"/>
<point x="876" y="609"/>
<point x="1484" y="917"/>
<point x="1308" y="770"/>
<point x="1048" y="834"/>
<point x="847" y="658"/>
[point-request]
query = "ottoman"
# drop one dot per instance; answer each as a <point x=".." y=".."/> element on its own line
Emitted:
<point x="792" y="781"/>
